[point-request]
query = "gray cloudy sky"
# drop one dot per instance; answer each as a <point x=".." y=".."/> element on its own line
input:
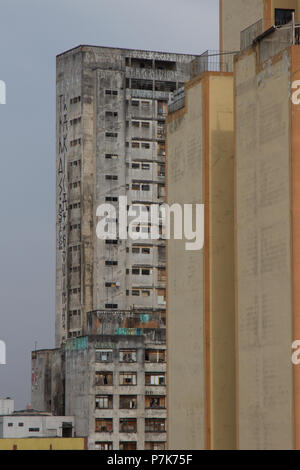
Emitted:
<point x="32" y="32"/>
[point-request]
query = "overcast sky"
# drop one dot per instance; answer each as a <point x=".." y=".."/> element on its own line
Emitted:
<point x="32" y="32"/>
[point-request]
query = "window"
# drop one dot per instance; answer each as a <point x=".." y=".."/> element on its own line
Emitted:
<point x="145" y="105"/>
<point x="135" y="187"/>
<point x="135" y="271"/>
<point x="283" y="16"/>
<point x="110" y="114"/>
<point x="135" y="123"/>
<point x="135" y="145"/>
<point x="146" y="293"/>
<point x="154" y="378"/>
<point x="104" y="378"/>
<point x="111" y="177"/>
<point x="135" y="292"/>
<point x="128" y="445"/>
<point x="135" y="250"/>
<point x="145" y="145"/>
<point x="146" y="272"/>
<point x="104" y="355"/>
<point x="20" y="425"/>
<point x="155" y="425"/>
<point x="75" y="142"/>
<point x="146" y="166"/>
<point x="111" y="199"/>
<point x="111" y="92"/>
<point x="76" y="99"/>
<point x="135" y="166"/>
<point x="34" y="429"/>
<point x="155" y="445"/>
<point x="135" y="103"/>
<point x="103" y="425"/>
<point x="111" y="156"/>
<point x="127" y="378"/>
<point x="10" y="425"/>
<point x="111" y="306"/>
<point x="161" y="274"/>
<point x="103" y="402"/>
<point x="111" y="242"/>
<point x="128" y="425"/>
<point x="111" y="135"/>
<point x="128" y="402"/>
<point x="155" y="355"/>
<point x="127" y="355"/>
<point x="155" y="402"/>
<point x="145" y="187"/>
<point x="103" y="445"/>
<point x="146" y="124"/>
<point x="146" y="251"/>
<point x="111" y="263"/>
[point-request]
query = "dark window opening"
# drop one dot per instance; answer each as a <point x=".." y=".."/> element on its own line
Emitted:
<point x="283" y="16"/>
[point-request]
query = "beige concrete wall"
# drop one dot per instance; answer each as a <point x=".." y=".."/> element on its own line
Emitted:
<point x="201" y="329"/>
<point x="236" y="15"/>
<point x="221" y="211"/>
<point x="185" y="285"/>
<point x="263" y="269"/>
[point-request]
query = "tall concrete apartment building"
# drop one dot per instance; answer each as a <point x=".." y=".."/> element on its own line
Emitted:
<point x="109" y="365"/>
<point x="111" y="110"/>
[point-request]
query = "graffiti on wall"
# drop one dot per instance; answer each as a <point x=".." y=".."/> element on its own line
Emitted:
<point x="62" y="214"/>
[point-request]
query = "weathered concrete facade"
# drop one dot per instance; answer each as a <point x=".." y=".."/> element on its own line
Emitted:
<point x="267" y="243"/>
<point x="200" y="296"/>
<point x="111" y="109"/>
<point x="115" y="386"/>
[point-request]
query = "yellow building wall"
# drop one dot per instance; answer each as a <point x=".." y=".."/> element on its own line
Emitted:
<point x="236" y="15"/>
<point x="222" y="314"/>
<point x="200" y="318"/>
<point x="263" y="253"/>
<point x="185" y="318"/>
<point x="43" y="444"/>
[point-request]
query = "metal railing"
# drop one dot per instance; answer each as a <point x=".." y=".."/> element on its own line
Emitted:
<point x="213" y="61"/>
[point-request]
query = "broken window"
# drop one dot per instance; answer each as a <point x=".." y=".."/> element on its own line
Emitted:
<point x="104" y="355"/>
<point x="127" y="378"/>
<point x="155" y="378"/>
<point x="155" y="355"/>
<point x="128" y="445"/>
<point x="128" y="402"/>
<point x="104" y="378"/>
<point x="103" y="402"/>
<point x="161" y="274"/>
<point x="103" y="425"/>
<point x="128" y="425"/>
<point x="155" y="402"/>
<point x="155" y="425"/>
<point x="103" y="445"/>
<point x="128" y="355"/>
<point x="155" y="445"/>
